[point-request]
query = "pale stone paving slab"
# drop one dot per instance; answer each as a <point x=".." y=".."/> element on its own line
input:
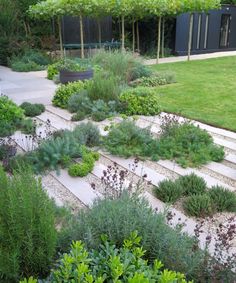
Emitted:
<point x="222" y="170"/>
<point x="80" y="188"/>
<point x="182" y="171"/>
<point x="231" y="158"/>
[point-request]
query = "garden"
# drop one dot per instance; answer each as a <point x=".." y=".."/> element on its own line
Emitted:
<point x="103" y="186"/>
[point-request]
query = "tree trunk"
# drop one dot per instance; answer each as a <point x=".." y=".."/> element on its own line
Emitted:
<point x="159" y="39"/>
<point x="60" y="37"/>
<point x="81" y="36"/>
<point x="138" y="40"/>
<point x="123" y="33"/>
<point x="133" y="30"/>
<point x="163" y="39"/>
<point x="99" y="33"/>
<point x="190" y="36"/>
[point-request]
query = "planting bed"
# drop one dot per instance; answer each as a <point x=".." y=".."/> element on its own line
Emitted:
<point x="78" y="192"/>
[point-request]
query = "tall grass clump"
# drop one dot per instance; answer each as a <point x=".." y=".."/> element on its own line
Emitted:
<point x="27" y="232"/>
<point x="122" y="65"/>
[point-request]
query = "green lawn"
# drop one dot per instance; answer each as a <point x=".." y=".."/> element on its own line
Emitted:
<point x="205" y="91"/>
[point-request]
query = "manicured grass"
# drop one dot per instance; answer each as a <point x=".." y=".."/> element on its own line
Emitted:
<point x="205" y="91"/>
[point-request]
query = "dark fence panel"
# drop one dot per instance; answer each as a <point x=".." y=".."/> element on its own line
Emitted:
<point x="71" y="30"/>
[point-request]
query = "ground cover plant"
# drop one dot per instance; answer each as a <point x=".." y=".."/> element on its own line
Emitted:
<point x="27" y="225"/>
<point x="203" y="97"/>
<point x="185" y="143"/>
<point x="197" y="199"/>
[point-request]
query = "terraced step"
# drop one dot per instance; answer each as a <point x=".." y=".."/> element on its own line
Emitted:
<point x="222" y="170"/>
<point x="56" y="121"/>
<point x="140" y="170"/>
<point x="182" y="171"/>
<point x="231" y="158"/>
<point x="64" y="114"/>
<point x="77" y="186"/>
<point x="225" y="143"/>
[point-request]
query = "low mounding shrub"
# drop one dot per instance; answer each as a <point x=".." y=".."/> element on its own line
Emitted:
<point x="28" y="126"/>
<point x="192" y="184"/>
<point x="80" y="102"/>
<point x="111" y="264"/>
<point x="104" y="86"/>
<point x="32" y="110"/>
<point x="168" y="191"/>
<point x="86" y="166"/>
<point x="9" y="111"/>
<point x="11" y="115"/>
<point x="189" y="145"/>
<point x="222" y="199"/>
<point x="155" y="80"/>
<point x="140" y="101"/>
<point x="27" y="227"/>
<point x="64" y="92"/>
<point x="199" y="205"/>
<point x="126" y="139"/>
<point x="87" y="134"/>
<point x="124" y="66"/>
<point x="118" y="218"/>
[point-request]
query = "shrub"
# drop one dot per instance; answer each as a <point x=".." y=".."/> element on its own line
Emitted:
<point x="198" y="205"/>
<point x="52" y="71"/>
<point x="118" y="218"/>
<point x="31" y="60"/>
<point x="189" y="145"/>
<point x="111" y="264"/>
<point x="32" y="110"/>
<point x="6" y="129"/>
<point x="86" y="166"/>
<point x="104" y="86"/>
<point x="64" y="92"/>
<point x="126" y="139"/>
<point x="80" y="102"/>
<point x="154" y="80"/>
<point x="9" y="111"/>
<point x="87" y="134"/>
<point x="192" y="184"/>
<point x="168" y="191"/>
<point x="28" y="235"/>
<point x="223" y="199"/>
<point x="51" y="153"/>
<point x="140" y="101"/>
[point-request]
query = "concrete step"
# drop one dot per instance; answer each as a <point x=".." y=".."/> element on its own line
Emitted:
<point x="182" y="171"/>
<point x="78" y="187"/>
<point x="140" y="169"/>
<point x="231" y="158"/>
<point x="222" y="169"/>
<point x="225" y="143"/>
<point x="56" y="121"/>
<point x="63" y="113"/>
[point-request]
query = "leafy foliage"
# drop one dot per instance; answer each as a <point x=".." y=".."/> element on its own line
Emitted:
<point x="64" y="92"/>
<point x="157" y="79"/>
<point x="80" y="102"/>
<point x="118" y="218"/>
<point x="32" y="110"/>
<point x="87" y="134"/>
<point x="111" y="264"/>
<point x="126" y="139"/>
<point x="26" y="225"/>
<point x="140" y="101"/>
<point x="83" y="168"/>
